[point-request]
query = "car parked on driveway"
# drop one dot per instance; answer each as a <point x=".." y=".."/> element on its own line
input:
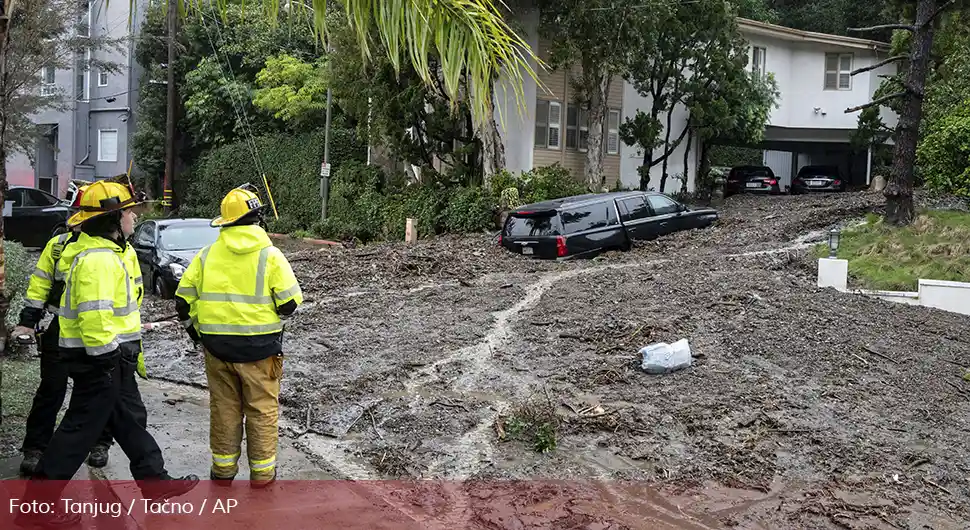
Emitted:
<point x="752" y="179"/>
<point x="586" y="225"/>
<point x="818" y="178"/>
<point x="31" y="216"/>
<point x="165" y="247"/>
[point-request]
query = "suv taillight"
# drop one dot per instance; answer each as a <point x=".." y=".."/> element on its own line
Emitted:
<point x="560" y="246"/>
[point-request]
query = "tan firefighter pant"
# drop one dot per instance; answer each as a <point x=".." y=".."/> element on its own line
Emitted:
<point x="238" y="390"/>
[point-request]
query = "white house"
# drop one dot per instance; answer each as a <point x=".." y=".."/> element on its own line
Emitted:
<point x="809" y="126"/>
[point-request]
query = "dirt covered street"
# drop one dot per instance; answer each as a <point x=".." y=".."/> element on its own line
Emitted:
<point x="804" y="408"/>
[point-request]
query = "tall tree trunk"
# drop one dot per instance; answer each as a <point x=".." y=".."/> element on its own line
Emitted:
<point x="703" y="179"/>
<point x="644" y="169"/>
<point x="690" y="138"/>
<point x="667" y="149"/>
<point x="594" y="147"/>
<point x="493" y="151"/>
<point x="4" y="105"/>
<point x="899" y="191"/>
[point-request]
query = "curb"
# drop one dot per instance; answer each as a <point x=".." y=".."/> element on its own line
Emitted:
<point x="308" y="240"/>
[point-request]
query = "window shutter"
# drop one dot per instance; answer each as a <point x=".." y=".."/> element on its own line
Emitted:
<point x="555" y="124"/>
<point x="572" y="112"/>
<point x="542" y="114"/>
<point x="613" y="133"/>
<point x="108" y="146"/>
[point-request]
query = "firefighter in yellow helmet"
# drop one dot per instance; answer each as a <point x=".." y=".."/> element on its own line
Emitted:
<point x="231" y="299"/>
<point x="43" y="296"/>
<point x="100" y="339"/>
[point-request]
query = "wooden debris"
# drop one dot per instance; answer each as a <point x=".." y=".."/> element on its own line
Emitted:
<point x="373" y="423"/>
<point x="882" y="355"/>
<point x="935" y="485"/>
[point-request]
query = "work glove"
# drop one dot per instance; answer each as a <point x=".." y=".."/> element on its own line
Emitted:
<point x="140" y="369"/>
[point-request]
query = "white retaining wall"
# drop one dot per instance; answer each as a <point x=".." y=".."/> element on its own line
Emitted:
<point x="938" y="294"/>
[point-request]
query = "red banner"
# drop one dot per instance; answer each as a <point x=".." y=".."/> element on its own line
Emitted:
<point x="293" y="505"/>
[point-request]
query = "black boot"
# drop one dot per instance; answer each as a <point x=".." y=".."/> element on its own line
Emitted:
<point x="98" y="456"/>
<point x="219" y="481"/>
<point x="28" y="466"/>
<point x="166" y="487"/>
<point x="50" y="520"/>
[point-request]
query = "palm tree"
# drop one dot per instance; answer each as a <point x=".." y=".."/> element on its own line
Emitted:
<point x="468" y="37"/>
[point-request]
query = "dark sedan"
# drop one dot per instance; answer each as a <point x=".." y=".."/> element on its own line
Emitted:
<point x="31" y="217"/>
<point x="587" y="225"/>
<point x="752" y="179"/>
<point x="818" y="178"/>
<point x="165" y="247"/>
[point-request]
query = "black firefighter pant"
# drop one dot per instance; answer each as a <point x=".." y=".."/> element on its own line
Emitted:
<point x="50" y="395"/>
<point x="105" y="394"/>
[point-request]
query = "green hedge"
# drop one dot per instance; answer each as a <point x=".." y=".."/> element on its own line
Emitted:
<point x="292" y="165"/>
<point x="18" y="266"/>
<point x="943" y="154"/>
<point x="367" y="204"/>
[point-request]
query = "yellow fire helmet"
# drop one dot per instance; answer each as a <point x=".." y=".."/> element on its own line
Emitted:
<point x="100" y="198"/>
<point x="236" y="204"/>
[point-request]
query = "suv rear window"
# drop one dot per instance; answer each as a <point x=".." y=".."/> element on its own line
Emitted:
<point x="589" y="217"/>
<point x="532" y="225"/>
<point x="751" y="172"/>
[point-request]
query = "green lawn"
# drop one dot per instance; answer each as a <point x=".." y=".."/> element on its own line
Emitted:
<point x="20" y="378"/>
<point x="935" y="247"/>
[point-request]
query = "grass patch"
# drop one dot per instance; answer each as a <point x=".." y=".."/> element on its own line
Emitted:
<point x="535" y="423"/>
<point x="935" y="247"/>
<point x="20" y="380"/>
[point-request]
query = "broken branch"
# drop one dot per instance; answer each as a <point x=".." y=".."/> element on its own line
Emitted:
<point x="374" y="423"/>
<point x="877" y="354"/>
<point x="893" y="59"/>
<point x="935" y="485"/>
<point x="876" y="102"/>
<point x="870" y="29"/>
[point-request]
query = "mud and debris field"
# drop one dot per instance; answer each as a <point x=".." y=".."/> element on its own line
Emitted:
<point x="804" y="408"/>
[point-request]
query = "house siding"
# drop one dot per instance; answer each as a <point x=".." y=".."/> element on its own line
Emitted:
<point x="557" y="87"/>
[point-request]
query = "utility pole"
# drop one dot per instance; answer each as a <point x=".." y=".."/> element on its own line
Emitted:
<point x="169" y="180"/>
<point x="325" y="170"/>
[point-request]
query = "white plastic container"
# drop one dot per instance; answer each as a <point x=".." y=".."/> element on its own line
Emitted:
<point x="663" y="358"/>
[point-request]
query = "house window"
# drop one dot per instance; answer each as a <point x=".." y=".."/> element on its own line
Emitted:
<point x="838" y="71"/>
<point x="758" y="62"/>
<point x="572" y="117"/>
<point x="102" y="78"/>
<point x="84" y="19"/>
<point x="613" y="132"/>
<point x="46" y="184"/>
<point x="555" y="125"/>
<point x="48" y="87"/>
<point x="548" y="124"/>
<point x="108" y="145"/>
<point x="82" y="78"/>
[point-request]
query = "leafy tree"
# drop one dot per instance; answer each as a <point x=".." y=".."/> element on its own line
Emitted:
<point x="218" y="60"/>
<point x="293" y="90"/>
<point x="596" y="36"/>
<point x="34" y="35"/>
<point x="919" y="32"/>
<point x="413" y="121"/>
<point x="699" y="61"/>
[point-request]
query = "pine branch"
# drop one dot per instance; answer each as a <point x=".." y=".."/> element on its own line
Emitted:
<point x="876" y="102"/>
<point x="890" y="60"/>
<point x="871" y="29"/>
<point x="939" y="10"/>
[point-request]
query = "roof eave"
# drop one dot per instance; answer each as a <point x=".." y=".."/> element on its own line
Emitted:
<point x="797" y="35"/>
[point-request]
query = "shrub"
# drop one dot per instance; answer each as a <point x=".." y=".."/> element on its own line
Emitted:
<point x="550" y="182"/>
<point x="292" y="165"/>
<point x="357" y="203"/>
<point x="18" y="265"/>
<point x="469" y="210"/>
<point x="426" y="203"/>
<point x="944" y="153"/>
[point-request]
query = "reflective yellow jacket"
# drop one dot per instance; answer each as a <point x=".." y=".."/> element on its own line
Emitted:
<point x="99" y="309"/>
<point x="232" y="292"/>
<point x="42" y="282"/>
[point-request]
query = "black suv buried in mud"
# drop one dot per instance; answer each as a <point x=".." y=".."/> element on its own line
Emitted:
<point x="587" y="225"/>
